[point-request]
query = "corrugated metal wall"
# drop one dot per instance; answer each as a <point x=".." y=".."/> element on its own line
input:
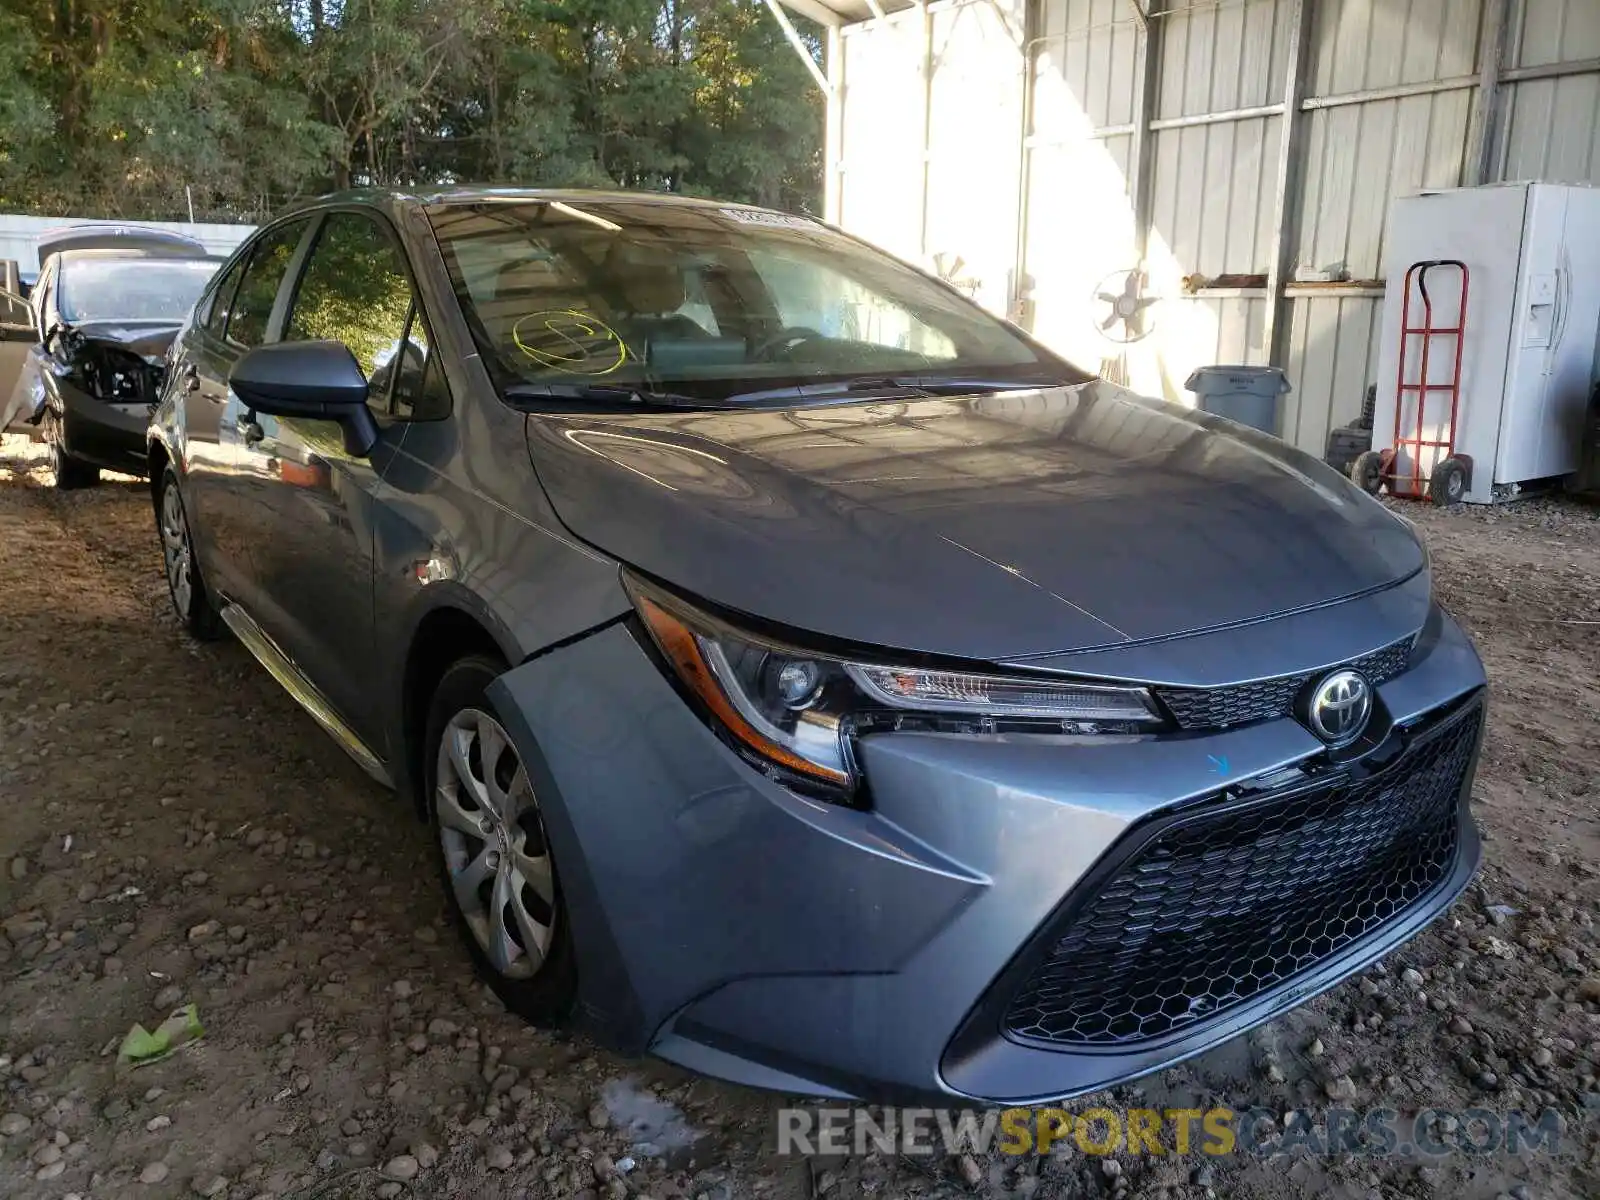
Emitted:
<point x="1030" y="141"/>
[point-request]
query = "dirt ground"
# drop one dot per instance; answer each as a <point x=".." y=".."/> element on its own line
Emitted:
<point x="173" y="829"/>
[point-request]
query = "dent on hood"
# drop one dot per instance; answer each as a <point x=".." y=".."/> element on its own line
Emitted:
<point x="147" y="341"/>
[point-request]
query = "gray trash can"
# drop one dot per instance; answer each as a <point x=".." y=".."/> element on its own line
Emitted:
<point x="1248" y="395"/>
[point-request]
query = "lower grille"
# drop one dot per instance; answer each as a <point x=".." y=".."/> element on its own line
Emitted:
<point x="1221" y="906"/>
<point x="1270" y="699"/>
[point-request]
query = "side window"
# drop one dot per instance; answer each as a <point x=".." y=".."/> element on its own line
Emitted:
<point x="221" y="295"/>
<point x="420" y="393"/>
<point x="355" y="290"/>
<point x="252" y="303"/>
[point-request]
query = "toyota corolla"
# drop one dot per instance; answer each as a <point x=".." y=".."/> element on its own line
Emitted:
<point x="808" y="678"/>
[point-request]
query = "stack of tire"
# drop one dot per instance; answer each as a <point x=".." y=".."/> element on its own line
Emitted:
<point x="1349" y="442"/>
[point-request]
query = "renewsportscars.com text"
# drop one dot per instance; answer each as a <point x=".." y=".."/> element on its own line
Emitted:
<point x="1216" y="1132"/>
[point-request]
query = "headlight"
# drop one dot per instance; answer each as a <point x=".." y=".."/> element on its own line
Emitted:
<point x="796" y="713"/>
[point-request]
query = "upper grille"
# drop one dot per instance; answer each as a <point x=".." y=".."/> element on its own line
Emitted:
<point x="1270" y="699"/>
<point x="1221" y="906"/>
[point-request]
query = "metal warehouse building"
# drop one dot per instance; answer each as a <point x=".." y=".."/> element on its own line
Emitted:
<point x="1245" y="152"/>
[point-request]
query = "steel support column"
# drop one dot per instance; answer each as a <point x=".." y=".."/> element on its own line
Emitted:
<point x="927" y="123"/>
<point x="797" y="43"/>
<point x="833" y="151"/>
<point x="1017" y="287"/>
<point x="1141" y="160"/>
<point x="1288" y="198"/>
<point x="1478" y="166"/>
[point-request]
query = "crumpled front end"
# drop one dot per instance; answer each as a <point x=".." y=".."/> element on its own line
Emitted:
<point x="99" y="383"/>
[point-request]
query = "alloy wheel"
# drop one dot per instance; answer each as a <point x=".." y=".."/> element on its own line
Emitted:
<point x="176" y="549"/>
<point x="494" y="844"/>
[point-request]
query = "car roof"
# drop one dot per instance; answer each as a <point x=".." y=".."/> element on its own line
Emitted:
<point x="391" y="199"/>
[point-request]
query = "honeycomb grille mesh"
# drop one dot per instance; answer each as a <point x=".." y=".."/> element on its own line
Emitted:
<point x="1220" y="907"/>
<point x="1270" y="699"/>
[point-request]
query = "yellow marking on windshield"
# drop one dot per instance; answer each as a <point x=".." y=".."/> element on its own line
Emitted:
<point x="577" y="343"/>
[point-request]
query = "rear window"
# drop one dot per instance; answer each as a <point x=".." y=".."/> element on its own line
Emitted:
<point x="131" y="289"/>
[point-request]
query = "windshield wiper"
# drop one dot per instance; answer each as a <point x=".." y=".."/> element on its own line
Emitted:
<point x="601" y="393"/>
<point x="942" y="387"/>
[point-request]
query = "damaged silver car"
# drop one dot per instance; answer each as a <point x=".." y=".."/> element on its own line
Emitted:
<point x="105" y="308"/>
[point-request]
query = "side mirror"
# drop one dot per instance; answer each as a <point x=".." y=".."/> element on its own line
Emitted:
<point x="320" y="380"/>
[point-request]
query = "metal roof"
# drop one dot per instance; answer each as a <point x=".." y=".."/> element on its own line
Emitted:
<point x="845" y="12"/>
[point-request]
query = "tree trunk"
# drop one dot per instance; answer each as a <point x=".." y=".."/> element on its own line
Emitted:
<point x="675" y="134"/>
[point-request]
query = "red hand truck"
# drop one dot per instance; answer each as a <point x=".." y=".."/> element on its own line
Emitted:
<point x="1408" y="469"/>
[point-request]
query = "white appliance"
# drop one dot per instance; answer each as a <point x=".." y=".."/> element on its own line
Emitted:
<point x="1533" y="317"/>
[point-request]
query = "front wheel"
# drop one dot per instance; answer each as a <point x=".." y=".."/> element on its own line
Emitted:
<point x="496" y="862"/>
<point x="190" y="599"/>
<point x="66" y="473"/>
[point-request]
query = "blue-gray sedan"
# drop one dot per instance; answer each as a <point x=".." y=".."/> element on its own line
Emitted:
<point x="809" y="678"/>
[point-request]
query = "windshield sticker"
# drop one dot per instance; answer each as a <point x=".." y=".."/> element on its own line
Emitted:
<point x="573" y="342"/>
<point x="754" y="216"/>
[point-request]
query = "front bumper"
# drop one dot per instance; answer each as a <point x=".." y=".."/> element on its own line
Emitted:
<point x="726" y="924"/>
<point x="110" y="435"/>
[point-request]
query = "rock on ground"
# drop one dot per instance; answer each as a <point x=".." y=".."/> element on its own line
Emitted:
<point x="330" y="996"/>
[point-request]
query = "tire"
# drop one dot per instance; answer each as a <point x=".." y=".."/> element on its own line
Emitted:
<point x="191" y="598"/>
<point x="1369" y="407"/>
<point x="494" y="838"/>
<point x="1447" y="484"/>
<point x="66" y="473"/>
<point x="1366" y="472"/>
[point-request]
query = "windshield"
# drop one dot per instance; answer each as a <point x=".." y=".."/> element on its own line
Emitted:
<point x="713" y="303"/>
<point x="131" y="289"/>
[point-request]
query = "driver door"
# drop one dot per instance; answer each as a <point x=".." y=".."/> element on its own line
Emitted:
<point x="313" y="556"/>
<point x="16" y="335"/>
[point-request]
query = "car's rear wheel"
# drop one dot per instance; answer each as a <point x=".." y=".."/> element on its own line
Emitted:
<point x="190" y="599"/>
<point x="66" y="472"/>
<point x="496" y="862"/>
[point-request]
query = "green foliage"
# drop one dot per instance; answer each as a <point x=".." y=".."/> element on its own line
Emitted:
<point x="115" y="107"/>
<point x="355" y="291"/>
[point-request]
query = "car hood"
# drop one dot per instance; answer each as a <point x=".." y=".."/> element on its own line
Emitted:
<point x="115" y="237"/>
<point x="988" y="527"/>
<point x="148" y="339"/>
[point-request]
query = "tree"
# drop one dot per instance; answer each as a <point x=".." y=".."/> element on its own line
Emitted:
<point x="115" y="107"/>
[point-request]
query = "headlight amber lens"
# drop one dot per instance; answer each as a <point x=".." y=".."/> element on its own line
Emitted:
<point x="742" y="685"/>
<point x="796" y="712"/>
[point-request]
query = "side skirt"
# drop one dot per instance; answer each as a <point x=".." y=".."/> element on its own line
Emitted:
<point x="304" y="691"/>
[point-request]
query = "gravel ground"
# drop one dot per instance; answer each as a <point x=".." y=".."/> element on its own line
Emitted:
<point x="174" y="830"/>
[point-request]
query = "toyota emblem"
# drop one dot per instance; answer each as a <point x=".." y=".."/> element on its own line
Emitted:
<point x="1340" y="706"/>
